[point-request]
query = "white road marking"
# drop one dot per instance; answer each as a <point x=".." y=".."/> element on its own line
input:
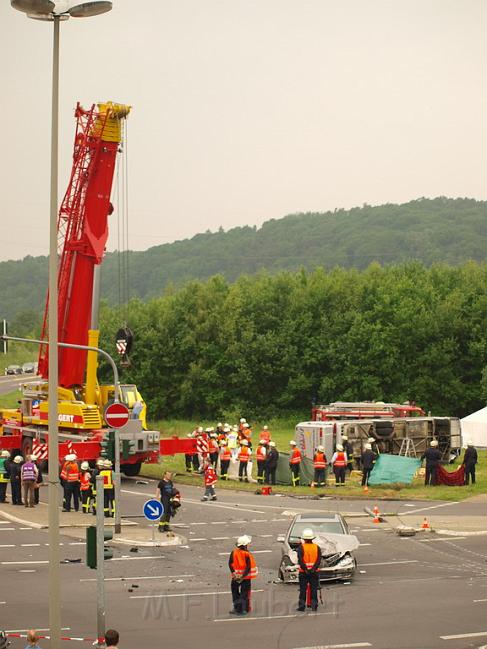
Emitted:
<point x="237" y="522"/>
<point x="64" y="628"/>
<point x="463" y="635"/>
<point x="217" y="592"/>
<point x="30" y="545"/>
<point x="362" y="544"/>
<point x="3" y="602"/>
<point x="4" y="522"/>
<point x="25" y="528"/>
<point x="219" y="522"/>
<point x="389" y="563"/>
<point x="456" y="538"/>
<point x="134" y="558"/>
<point x="138" y="578"/>
<point x="205" y="523"/>
<point x="21" y="563"/>
<point x="259" y="520"/>
<point x="237" y="618"/>
<point x="339" y="646"/>
<point x="265" y="536"/>
<point x="77" y="543"/>
<point x="7" y="529"/>
<point x="479" y="600"/>
<point x="27" y="570"/>
<point x="198" y="540"/>
<point x="253" y="552"/>
<point x="7" y="546"/>
<point x="220" y="538"/>
<point x="425" y="509"/>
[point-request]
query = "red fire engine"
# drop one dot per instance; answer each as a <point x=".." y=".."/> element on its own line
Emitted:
<point x="344" y="410"/>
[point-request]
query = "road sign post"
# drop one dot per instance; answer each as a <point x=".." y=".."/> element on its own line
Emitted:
<point x="153" y="510"/>
<point x="100" y="562"/>
<point x="117" y="415"/>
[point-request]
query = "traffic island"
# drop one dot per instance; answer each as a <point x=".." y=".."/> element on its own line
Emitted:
<point x="37" y="517"/>
<point x="148" y="537"/>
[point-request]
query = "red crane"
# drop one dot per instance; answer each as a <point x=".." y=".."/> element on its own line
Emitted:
<point x="83" y="232"/>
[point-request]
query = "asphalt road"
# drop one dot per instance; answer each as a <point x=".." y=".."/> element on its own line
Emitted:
<point x="408" y="592"/>
<point x="10" y="383"/>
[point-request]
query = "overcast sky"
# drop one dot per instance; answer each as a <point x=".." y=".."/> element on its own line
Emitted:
<point x="246" y="110"/>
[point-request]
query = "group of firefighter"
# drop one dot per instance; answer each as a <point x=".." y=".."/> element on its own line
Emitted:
<point x="78" y="481"/>
<point x="217" y="447"/>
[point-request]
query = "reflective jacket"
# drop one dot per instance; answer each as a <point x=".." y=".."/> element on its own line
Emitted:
<point x="295" y="456"/>
<point x="340" y="459"/>
<point x="244" y="454"/>
<point x="4" y="474"/>
<point x="260" y="454"/>
<point x="70" y="472"/>
<point x="242" y="564"/>
<point x="225" y="454"/>
<point x="29" y="471"/>
<point x="107" y="478"/>
<point x="309" y="557"/>
<point x="210" y="476"/>
<point x="319" y="460"/>
<point x="85" y="481"/>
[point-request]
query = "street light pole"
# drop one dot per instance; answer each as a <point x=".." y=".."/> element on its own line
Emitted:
<point x="53" y="490"/>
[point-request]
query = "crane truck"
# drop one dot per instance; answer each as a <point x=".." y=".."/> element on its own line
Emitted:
<point x="82" y="236"/>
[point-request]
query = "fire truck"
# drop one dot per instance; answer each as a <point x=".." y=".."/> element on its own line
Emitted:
<point x="351" y="410"/>
<point x="82" y="236"/>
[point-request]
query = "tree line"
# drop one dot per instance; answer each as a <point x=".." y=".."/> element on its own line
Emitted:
<point x="270" y="344"/>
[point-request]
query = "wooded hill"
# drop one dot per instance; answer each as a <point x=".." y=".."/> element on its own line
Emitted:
<point x="445" y="230"/>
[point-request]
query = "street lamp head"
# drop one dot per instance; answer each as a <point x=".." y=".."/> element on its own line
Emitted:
<point x="48" y="17"/>
<point x="88" y="9"/>
<point x="43" y="7"/>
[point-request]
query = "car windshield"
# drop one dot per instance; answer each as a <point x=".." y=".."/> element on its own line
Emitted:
<point x="318" y="527"/>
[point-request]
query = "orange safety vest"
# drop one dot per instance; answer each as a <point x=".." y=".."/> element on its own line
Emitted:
<point x="244" y="454"/>
<point x="265" y="435"/>
<point x="213" y="444"/>
<point x="319" y="460"/>
<point x="260" y="454"/>
<point x="340" y="459"/>
<point x="85" y="481"/>
<point x="296" y="456"/>
<point x="225" y="454"/>
<point x="70" y="472"/>
<point x="310" y="555"/>
<point x="239" y="563"/>
<point x="107" y="478"/>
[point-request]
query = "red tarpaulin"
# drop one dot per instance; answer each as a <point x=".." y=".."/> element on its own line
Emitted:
<point x="451" y="478"/>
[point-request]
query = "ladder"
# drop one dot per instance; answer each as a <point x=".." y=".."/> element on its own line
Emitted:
<point x="407" y="448"/>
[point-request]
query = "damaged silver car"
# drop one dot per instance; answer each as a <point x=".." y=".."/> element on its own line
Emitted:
<point x="336" y="543"/>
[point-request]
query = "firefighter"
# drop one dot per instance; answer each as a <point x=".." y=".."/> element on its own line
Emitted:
<point x="244" y="455"/>
<point x="347" y="447"/>
<point x="368" y="461"/>
<point x="232" y="440"/>
<point x="295" y="463"/>
<point x="165" y="492"/>
<point x="213" y="449"/>
<point x="210" y="482"/>
<point x="108" y="489"/>
<point x="225" y="457"/>
<point x="195" y="459"/>
<point x="309" y="561"/>
<point x="319" y="463"/>
<point x="85" y="487"/>
<point x="265" y="434"/>
<point x="243" y="569"/>
<point x="247" y="434"/>
<point x="28" y="476"/>
<point x="94" y="473"/>
<point x="4" y="475"/>
<point x="70" y="482"/>
<point x="271" y="460"/>
<point x="339" y="462"/>
<point x="432" y="456"/>
<point x="260" y="454"/>
<point x="15" y="484"/>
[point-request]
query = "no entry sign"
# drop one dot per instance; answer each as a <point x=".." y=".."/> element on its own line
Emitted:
<point x="117" y="415"/>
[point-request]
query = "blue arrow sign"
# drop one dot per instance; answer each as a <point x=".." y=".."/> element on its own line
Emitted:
<point x="153" y="509"/>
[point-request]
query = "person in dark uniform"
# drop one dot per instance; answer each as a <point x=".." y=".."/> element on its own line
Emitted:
<point x="271" y="460"/>
<point x="470" y="459"/>
<point x="165" y="492"/>
<point x="368" y="461"/>
<point x="15" y="483"/>
<point x="4" y="475"/>
<point x="309" y="561"/>
<point x="432" y="456"/>
<point x="347" y="447"/>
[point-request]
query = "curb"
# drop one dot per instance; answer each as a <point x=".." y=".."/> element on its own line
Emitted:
<point x="173" y="541"/>
<point x="42" y="526"/>
<point x="457" y="533"/>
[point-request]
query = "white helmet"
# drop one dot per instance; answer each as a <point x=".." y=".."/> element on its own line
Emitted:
<point x="371" y="440"/>
<point x="292" y="443"/>
<point x="219" y="424"/>
<point x="243" y="420"/>
<point x="208" y="430"/>
<point x="18" y="459"/>
<point x="307" y="534"/>
<point x="213" y="435"/>
<point x="34" y="457"/>
<point x="244" y="442"/>
<point x="5" y="454"/>
<point x="246" y="426"/>
<point x="368" y="447"/>
<point x="434" y="442"/>
<point x="71" y="457"/>
<point x="223" y="443"/>
<point x="235" y="429"/>
<point x="265" y="428"/>
<point x="272" y="444"/>
<point x="344" y="437"/>
<point x="226" y="429"/>
<point x="107" y="464"/>
<point x="244" y="540"/>
<point x="100" y="461"/>
<point x="339" y="447"/>
<point x="320" y="448"/>
<point x="262" y="441"/>
<point x="469" y="443"/>
<point x="85" y="466"/>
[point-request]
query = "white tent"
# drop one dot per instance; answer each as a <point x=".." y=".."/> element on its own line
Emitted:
<point x="474" y="427"/>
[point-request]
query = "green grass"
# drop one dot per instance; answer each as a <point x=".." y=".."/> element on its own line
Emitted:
<point x="10" y="399"/>
<point x="282" y="432"/>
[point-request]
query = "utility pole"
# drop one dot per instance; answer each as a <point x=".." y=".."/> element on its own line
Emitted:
<point x="100" y="562"/>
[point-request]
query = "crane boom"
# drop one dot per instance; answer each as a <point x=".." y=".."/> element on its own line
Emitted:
<point x="83" y="232"/>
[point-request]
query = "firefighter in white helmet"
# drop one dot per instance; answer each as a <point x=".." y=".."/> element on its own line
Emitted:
<point x="309" y="561"/>
<point x="243" y="569"/>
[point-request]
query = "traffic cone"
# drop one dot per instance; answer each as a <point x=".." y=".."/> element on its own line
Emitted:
<point x="425" y="525"/>
<point x="376" y="515"/>
<point x="366" y="489"/>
